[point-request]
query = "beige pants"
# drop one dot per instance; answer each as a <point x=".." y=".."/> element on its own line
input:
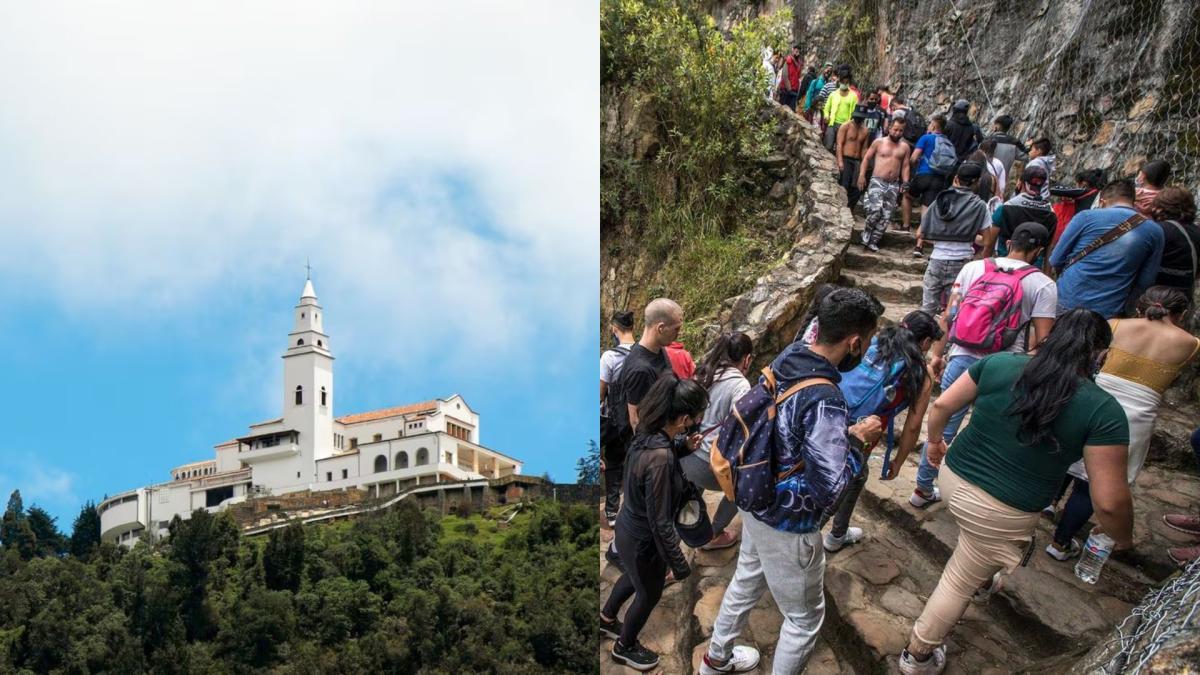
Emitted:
<point x="991" y="536"/>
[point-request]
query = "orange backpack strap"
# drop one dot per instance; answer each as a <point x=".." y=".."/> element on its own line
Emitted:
<point x="802" y="384"/>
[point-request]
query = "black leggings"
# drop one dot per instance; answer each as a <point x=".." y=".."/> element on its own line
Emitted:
<point x="644" y="578"/>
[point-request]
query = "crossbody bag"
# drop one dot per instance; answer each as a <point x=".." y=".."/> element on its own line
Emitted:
<point x="1107" y="238"/>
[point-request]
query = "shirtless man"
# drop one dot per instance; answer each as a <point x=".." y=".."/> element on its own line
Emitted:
<point x="852" y="138"/>
<point x="889" y="179"/>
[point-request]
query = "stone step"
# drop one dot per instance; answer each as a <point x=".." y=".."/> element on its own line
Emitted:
<point x="885" y="261"/>
<point x="1042" y="599"/>
<point x="876" y="589"/>
<point x="895" y="288"/>
<point x="892" y="239"/>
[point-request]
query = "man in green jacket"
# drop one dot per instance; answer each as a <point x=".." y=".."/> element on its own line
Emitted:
<point x="838" y="109"/>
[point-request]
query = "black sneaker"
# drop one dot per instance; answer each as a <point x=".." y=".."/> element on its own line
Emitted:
<point x="610" y="518"/>
<point x="613" y="559"/>
<point x="636" y="657"/>
<point x="610" y="629"/>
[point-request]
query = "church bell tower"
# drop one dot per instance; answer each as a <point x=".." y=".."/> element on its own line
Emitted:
<point x="308" y="384"/>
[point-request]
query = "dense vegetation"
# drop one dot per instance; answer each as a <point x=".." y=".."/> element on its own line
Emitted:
<point x="403" y="591"/>
<point x="689" y="203"/>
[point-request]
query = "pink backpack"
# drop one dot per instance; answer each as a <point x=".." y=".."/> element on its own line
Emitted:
<point x="989" y="315"/>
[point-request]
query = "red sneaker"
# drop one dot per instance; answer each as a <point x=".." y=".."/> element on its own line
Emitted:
<point x="1183" y="523"/>
<point x="723" y="540"/>
<point x="1183" y="556"/>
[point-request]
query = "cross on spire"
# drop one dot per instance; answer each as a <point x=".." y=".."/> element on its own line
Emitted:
<point x="307" y="269"/>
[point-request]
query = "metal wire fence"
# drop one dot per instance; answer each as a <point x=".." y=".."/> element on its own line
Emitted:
<point x="1170" y="612"/>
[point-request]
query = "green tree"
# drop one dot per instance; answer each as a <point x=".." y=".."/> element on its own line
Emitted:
<point x="283" y="558"/>
<point x="48" y="540"/>
<point x="588" y="467"/>
<point x="85" y="531"/>
<point x="201" y="545"/>
<point x="15" y="531"/>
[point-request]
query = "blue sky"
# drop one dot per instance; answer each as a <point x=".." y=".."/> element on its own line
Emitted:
<point x="168" y="170"/>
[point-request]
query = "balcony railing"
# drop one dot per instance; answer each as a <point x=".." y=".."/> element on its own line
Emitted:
<point x="226" y="479"/>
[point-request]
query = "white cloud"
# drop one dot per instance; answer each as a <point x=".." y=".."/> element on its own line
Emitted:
<point x="155" y="154"/>
<point x="43" y="484"/>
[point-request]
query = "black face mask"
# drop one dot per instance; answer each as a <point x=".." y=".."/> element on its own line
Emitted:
<point x="850" y="361"/>
<point x="616" y="341"/>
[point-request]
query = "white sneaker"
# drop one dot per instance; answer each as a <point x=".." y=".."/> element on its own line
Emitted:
<point x="982" y="595"/>
<point x="831" y="543"/>
<point x="930" y="666"/>
<point x="743" y="659"/>
<point x="921" y="501"/>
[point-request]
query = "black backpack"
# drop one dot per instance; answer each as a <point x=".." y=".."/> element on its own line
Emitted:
<point x="914" y="126"/>
<point x="614" y="416"/>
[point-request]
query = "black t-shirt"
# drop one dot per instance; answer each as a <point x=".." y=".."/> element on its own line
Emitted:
<point x="641" y="370"/>
<point x="1023" y="208"/>
<point x="1177" y="267"/>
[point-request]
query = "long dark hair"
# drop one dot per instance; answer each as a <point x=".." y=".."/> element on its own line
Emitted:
<point x="1159" y="302"/>
<point x="902" y="342"/>
<point x="1049" y="380"/>
<point x="667" y="399"/>
<point x="726" y="352"/>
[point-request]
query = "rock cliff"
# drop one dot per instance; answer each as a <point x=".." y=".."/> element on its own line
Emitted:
<point x="1113" y="84"/>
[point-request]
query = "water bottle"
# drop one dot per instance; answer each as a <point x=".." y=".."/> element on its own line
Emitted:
<point x="1095" y="553"/>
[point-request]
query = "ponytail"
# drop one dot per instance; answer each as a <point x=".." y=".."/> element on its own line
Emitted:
<point x="1159" y="302"/>
<point x="667" y="399"/>
<point x="1050" y="379"/>
<point x="902" y="342"/>
<point x="726" y="352"/>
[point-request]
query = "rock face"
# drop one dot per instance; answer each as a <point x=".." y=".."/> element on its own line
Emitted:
<point x="1113" y="84"/>
<point x="820" y="225"/>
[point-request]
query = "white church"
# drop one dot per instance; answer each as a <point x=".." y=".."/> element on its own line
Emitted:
<point x="382" y="452"/>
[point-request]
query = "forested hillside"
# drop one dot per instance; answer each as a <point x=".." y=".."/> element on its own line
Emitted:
<point x="403" y="591"/>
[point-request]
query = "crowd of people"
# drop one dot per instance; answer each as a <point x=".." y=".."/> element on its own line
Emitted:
<point x="1057" y="324"/>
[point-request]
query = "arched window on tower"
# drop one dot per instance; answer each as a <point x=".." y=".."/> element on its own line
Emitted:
<point x="324" y="397"/>
<point x="401" y="460"/>
<point x="300" y="342"/>
<point x="299" y="395"/>
<point x="422" y="456"/>
<point x="380" y="464"/>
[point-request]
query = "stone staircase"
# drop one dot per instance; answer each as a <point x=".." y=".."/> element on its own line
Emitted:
<point x="1041" y="621"/>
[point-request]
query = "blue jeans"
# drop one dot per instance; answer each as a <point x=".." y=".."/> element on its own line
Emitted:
<point x="1196" y="444"/>
<point x="926" y="472"/>
<point x="1075" y="514"/>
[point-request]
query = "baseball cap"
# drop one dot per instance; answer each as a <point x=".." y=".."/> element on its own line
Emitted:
<point x="1030" y="235"/>
<point x="1034" y="177"/>
<point x="969" y="172"/>
<point x="961" y="104"/>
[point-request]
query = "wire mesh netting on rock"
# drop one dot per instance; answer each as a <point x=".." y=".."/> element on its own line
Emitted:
<point x="1160" y="635"/>
<point x="1112" y="84"/>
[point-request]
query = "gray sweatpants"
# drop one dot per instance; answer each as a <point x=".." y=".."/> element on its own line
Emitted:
<point x="792" y="566"/>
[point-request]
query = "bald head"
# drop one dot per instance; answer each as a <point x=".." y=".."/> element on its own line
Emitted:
<point x="664" y="317"/>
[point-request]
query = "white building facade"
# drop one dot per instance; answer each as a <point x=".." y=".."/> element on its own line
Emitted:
<point x="307" y="448"/>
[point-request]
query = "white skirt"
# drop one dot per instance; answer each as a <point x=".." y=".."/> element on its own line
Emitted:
<point x="1141" y="409"/>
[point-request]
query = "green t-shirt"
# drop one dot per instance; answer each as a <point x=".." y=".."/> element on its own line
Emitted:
<point x="1026" y="477"/>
